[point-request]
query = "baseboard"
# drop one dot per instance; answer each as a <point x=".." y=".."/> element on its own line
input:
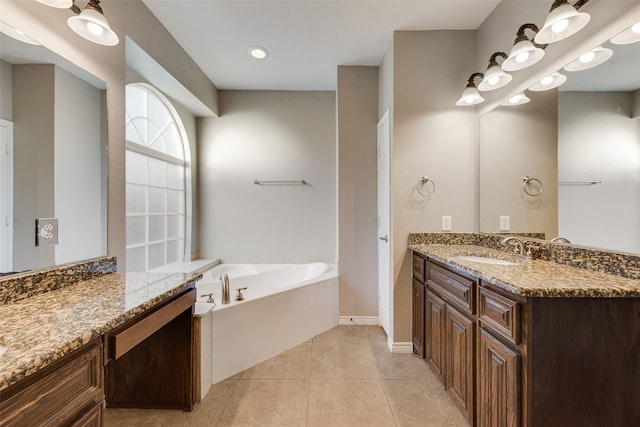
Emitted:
<point x="358" y="320"/>
<point x="401" y="347"/>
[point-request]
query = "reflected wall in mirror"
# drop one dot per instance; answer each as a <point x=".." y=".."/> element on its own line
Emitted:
<point x="53" y="116"/>
<point x="591" y="131"/>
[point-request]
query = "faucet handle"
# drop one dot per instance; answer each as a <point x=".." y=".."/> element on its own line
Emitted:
<point x="210" y="299"/>
<point x="239" y="296"/>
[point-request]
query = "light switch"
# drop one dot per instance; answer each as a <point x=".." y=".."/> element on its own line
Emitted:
<point x="46" y="231"/>
<point x="446" y="223"/>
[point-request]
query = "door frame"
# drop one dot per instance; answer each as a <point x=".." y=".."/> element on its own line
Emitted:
<point x="6" y="194"/>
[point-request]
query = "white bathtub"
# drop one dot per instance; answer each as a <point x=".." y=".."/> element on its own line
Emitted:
<point x="285" y="305"/>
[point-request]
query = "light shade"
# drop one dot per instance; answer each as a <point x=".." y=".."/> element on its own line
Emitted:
<point x="16" y="34"/>
<point x="60" y="4"/>
<point x="628" y="36"/>
<point x="590" y="59"/>
<point x="518" y="99"/>
<point x="563" y="21"/>
<point x="470" y="95"/>
<point x="494" y="77"/>
<point x="523" y="53"/>
<point x="549" y="82"/>
<point x="93" y="26"/>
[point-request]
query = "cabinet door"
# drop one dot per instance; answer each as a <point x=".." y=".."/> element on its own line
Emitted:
<point x="459" y="359"/>
<point x="434" y="333"/>
<point x="418" y="318"/>
<point x="499" y="384"/>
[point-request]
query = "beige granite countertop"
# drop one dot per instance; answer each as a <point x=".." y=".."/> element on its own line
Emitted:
<point x="43" y="328"/>
<point x="532" y="278"/>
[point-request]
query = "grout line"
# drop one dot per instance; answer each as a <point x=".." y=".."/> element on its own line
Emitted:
<point x="228" y="400"/>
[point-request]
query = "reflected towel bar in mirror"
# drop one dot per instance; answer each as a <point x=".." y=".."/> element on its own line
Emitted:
<point x="592" y="182"/>
<point x="299" y="182"/>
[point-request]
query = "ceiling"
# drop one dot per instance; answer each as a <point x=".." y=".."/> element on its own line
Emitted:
<point x="306" y="39"/>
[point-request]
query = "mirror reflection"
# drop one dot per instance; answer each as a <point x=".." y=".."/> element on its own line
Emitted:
<point x="583" y="143"/>
<point x="53" y="128"/>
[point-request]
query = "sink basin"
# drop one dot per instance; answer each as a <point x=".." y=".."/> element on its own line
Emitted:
<point x="485" y="260"/>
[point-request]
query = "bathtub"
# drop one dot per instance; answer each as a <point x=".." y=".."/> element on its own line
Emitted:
<point x="284" y="305"/>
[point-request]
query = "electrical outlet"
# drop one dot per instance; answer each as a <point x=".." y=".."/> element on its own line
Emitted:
<point x="46" y="231"/>
<point x="505" y="223"/>
<point x="446" y="223"/>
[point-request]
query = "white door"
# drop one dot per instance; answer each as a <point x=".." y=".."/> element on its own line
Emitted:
<point x="385" y="309"/>
<point x="6" y="196"/>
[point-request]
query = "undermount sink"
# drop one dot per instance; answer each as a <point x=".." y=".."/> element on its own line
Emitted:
<point x="485" y="260"/>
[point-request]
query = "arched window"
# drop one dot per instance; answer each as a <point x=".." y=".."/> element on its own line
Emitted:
<point x="156" y="162"/>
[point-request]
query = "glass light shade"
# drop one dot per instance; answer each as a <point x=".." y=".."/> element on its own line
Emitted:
<point x="16" y="34"/>
<point x="60" y="4"/>
<point x="470" y="96"/>
<point x="562" y="22"/>
<point x="93" y="26"/>
<point x="590" y="59"/>
<point x="518" y="99"/>
<point x="523" y="54"/>
<point x="494" y="78"/>
<point x="550" y="82"/>
<point x="628" y="36"/>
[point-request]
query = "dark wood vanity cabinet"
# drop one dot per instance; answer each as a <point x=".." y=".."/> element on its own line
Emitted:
<point x="510" y="361"/>
<point x="69" y="392"/>
<point x="417" y="305"/>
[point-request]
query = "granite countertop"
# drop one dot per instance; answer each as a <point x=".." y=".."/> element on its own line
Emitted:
<point x="532" y="277"/>
<point x="41" y="329"/>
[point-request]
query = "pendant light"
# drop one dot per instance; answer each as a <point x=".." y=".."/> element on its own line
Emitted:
<point x="470" y="95"/>
<point x="590" y="59"/>
<point x="494" y="77"/>
<point x="563" y="21"/>
<point x="93" y="26"/>
<point x="628" y="36"/>
<point x="523" y="53"/>
<point x="550" y="82"/>
<point x="518" y="99"/>
<point x="60" y="4"/>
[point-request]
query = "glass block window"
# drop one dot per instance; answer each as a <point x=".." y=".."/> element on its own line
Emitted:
<point x="155" y="181"/>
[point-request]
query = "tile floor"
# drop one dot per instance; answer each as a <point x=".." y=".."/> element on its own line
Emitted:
<point x="343" y="377"/>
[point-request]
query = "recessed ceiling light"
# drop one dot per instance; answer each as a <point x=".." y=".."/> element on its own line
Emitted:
<point x="258" y="52"/>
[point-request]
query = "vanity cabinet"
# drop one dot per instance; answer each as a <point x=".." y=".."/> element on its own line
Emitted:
<point x="68" y="392"/>
<point x="417" y="305"/>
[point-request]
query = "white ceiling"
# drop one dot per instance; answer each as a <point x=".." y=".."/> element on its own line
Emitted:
<point x="307" y="39"/>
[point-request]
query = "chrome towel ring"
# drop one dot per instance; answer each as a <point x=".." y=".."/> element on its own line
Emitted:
<point x="424" y="181"/>
<point x="534" y="184"/>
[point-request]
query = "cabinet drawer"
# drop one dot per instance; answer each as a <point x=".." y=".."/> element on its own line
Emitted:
<point x="500" y="314"/>
<point x="418" y="267"/>
<point x="456" y="288"/>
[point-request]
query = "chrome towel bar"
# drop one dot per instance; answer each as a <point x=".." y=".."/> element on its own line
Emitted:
<point x="299" y="182"/>
<point x="592" y="182"/>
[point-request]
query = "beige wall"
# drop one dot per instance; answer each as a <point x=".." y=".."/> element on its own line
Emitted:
<point x="6" y="97"/>
<point x="433" y="137"/>
<point x="269" y="135"/>
<point x="357" y="208"/>
<point x="127" y="18"/>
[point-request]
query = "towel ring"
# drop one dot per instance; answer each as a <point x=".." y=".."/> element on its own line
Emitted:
<point x="421" y="184"/>
<point x="526" y="180"/>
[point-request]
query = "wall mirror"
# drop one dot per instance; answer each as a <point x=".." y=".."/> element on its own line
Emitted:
<point x="54" y="121"/>
<point x="583" y="143"/>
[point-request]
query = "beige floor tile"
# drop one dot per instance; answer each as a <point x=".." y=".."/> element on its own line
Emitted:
<point x="347" y="333"/>
<point x="396" y="366"/>
<point x="294" y="363"/>
<point x="422" y="403"/>
<point x="348" y="403"/>
<point x="335" y="360"/>
<point x="267" y="403"/>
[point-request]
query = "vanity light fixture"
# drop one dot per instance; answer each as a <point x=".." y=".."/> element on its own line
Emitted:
<point x="590" y="59"/>
<point x="628" y="36"/>
<point x="494" y="77"/>
<point x="518" y="99"/>
<point x="16" y="34"/>
<point x="470" y="95"/>
<point x="89" y="23"/>
<point x="550" y="82"/>
<point x="563" y="21"/>
<point x="524" y="53"/>
<point x="258" y="52"/>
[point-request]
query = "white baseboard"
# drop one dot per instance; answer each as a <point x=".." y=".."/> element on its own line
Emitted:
<point x="358" y="320"/>
<point x="401" y="347"/>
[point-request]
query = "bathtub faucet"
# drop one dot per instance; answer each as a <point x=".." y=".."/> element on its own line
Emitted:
<point x="224" y="279"/>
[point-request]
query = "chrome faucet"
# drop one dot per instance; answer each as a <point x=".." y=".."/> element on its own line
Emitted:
<point x="520" y="245"/>
<point x="560" y="240"/>
<point x="224" y="278"/>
